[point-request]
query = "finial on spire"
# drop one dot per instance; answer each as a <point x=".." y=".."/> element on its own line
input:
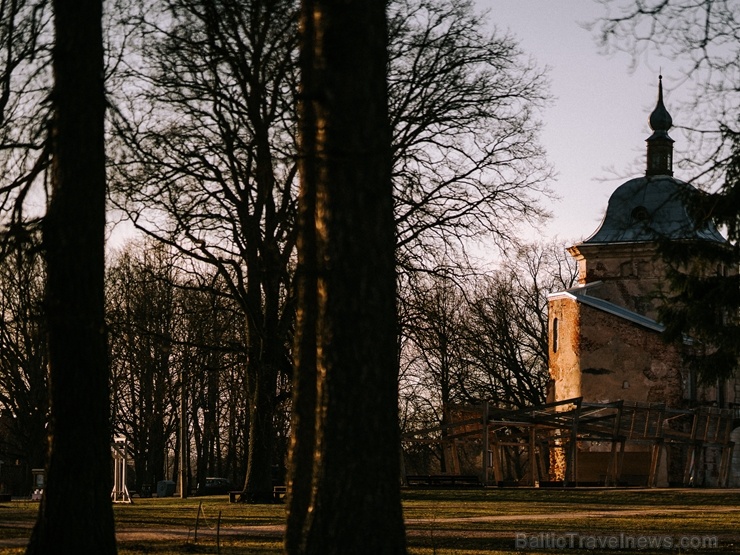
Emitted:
<point x="660" y="145"/>
<point x="660" y="119"/>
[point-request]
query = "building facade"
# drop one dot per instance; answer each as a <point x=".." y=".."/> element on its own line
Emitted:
<point x="605" y="337"/>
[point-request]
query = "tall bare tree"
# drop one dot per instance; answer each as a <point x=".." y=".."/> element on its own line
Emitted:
<point x="344" y="478"/>
<point x="214" y="171"/>
<point x="23" y="357"/>
<point x="75" y="513"/>
<point x="141" y="313"/>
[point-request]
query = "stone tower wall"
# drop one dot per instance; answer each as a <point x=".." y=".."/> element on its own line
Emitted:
<point x="630" y="276"/>
<point x="610" y="358"/>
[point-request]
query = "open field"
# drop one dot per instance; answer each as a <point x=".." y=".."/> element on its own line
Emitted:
<point x="442" y="522"/>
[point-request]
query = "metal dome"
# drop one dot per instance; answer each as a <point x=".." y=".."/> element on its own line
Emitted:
<point x="651" y="208"/>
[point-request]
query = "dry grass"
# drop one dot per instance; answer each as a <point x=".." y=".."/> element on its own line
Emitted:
<point x="439" y="522"/>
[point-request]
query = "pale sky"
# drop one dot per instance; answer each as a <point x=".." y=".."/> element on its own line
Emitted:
<point x="595" y="130"/>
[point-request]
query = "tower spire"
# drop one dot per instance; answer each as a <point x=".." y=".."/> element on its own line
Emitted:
<point x="659" y="144"/>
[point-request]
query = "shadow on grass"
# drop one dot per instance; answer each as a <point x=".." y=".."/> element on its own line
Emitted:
<point x="439" y="522"/>
<point x="254" y="546"/>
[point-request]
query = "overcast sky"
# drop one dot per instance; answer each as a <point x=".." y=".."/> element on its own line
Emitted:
<point x="595" y="130"/>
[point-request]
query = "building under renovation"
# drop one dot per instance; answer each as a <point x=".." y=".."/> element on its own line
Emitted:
<point x="623" y="405"/>
<point x="605" y="341"/>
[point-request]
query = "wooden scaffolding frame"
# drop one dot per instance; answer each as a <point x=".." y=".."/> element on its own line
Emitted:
<point x="563" y="425"/>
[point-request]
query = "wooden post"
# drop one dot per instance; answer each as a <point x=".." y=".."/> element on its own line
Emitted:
<point x="614" y="460"/>
<point x="730" y="452"/>
<point x="218" y="534"/>
<point x="689" y="469"/>
<point x="654" y="462"/>
<point x="484" y="444"/>
<point x="197" y="521"/>
<point x="542" y="468"/>
<point x="611" y="469"/>
<point x="725" y="464"/>
<point x="496" y="462"/>
<point x="532" y="456"/>
<point x="572" y="460"/>
<point x="455" y="457"/>
<point x="183" y="437"/>
<point x="688" y="473"/>
<point x="620" y="461"/>
<point x="657" y="448"/>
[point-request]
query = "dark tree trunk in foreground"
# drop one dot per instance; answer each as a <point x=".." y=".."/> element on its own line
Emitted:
<point x="344" y="480"/>
<point x="76" y="514"/>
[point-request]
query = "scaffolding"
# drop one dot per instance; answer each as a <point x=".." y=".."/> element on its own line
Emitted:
<point x="548" y="441"/>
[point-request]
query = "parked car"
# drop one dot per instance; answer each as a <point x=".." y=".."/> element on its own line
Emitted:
<point x="215" y="486"/>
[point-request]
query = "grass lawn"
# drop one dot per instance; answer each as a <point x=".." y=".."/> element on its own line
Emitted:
<point x="442" y="522"/>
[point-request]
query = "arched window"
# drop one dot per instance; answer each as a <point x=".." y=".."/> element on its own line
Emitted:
<point x="554" y="335"/>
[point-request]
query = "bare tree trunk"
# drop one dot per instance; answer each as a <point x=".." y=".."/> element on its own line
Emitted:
<point x="303" y="418"/>
<point x="345" y="496"/>
<point x="75" y="514"/>
<point x="258" y="482"/>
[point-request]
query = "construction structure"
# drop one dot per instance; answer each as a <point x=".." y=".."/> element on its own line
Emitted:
<point x="606" y="340"/>
<point x="119" y="451"/>
<point x="623" y="405"/>
<point x="573" y="443"/>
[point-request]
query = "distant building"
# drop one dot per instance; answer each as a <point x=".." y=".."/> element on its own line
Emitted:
<point x="605" y="340"/>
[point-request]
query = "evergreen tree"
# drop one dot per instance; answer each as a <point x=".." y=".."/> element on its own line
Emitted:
<point x="703" y="306"/>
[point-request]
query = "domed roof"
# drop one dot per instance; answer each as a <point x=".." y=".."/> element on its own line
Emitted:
<point x="651" y="208"/>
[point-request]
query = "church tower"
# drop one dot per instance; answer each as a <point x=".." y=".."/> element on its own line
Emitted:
<point x="620" y="259"/>
<point x="605" y="340"/>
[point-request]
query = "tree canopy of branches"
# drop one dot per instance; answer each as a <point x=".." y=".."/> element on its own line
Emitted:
<point x="463" y="107"/>
<point x="210" y="157"/>
<point x="483" y="339"/>
<point x="207" y="152"/>
<point x="705" y="37"/>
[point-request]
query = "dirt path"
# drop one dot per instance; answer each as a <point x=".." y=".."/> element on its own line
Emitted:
<point x="572" y="515"/>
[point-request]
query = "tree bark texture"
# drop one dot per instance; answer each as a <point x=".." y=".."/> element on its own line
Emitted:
<point x="344" y="478"/>
<point x="75" y="515"/>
